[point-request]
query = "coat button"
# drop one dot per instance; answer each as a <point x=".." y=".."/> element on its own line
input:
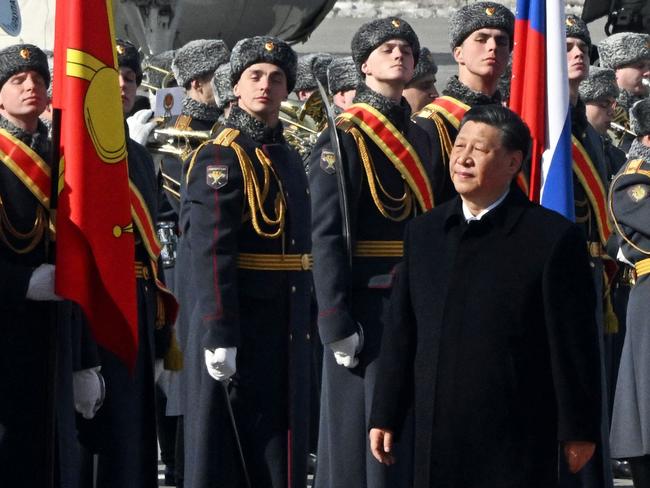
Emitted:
<point x="307" y="190"/>
<point x="293" y="289"/>
<point x="307" y="336"/>
<point x="290" y="337"/>
<point x="293" y="242"/>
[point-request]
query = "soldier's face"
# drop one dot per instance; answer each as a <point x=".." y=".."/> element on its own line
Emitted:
<point x="484" y="53"/>
<point x="577" y="58"/>
<point x="600" y="113"/>
<point x="421" y="92"/>
<point x="391" y="61"/>
<point x="128" y="88"/>
<point x="261" y="89"/>
<point x="23" y="95"/>
<point x="481" y="167"/>
<point x="630" y="78"/>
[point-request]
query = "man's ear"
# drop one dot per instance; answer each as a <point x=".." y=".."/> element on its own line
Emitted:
<point x="364" y="68"/>
<point x="235" y="90"/>
<point x="516" y="161"/>
<point x="458" y="54"/>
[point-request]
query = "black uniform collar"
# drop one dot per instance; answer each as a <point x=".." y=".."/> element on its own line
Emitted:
<point x="504" y="216"/>
<point x="639" y="151"/>
<point x="579" y="120"/>
<point x="398" y="113"/>
<point x="626" y="99"/>
<point x="199" y="110"/>
<point x="466" y="95"/>
<point x="255" y="129"/>
<point x="37" y="141"/>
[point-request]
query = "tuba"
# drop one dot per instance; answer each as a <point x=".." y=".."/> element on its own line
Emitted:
<point x="303" y="122"/>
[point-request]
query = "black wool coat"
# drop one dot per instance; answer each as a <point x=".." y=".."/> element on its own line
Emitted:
<point x="492" y="339"/>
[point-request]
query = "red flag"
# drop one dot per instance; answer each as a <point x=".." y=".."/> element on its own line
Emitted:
<point x="95" y="242"/>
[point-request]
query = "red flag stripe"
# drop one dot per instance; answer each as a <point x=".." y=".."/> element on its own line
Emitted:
<point x="27" y="165"/>
<point x="593" y="186"/>
<point x="395" y="146"/>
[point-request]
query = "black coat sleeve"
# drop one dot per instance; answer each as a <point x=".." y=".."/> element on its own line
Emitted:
<point x="569" y="308"/>
<point x="215" y="219"/>
<point x="331" y="269"/>
<point x="393" y="392"/>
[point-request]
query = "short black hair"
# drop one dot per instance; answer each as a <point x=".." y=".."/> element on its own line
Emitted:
<point x="515" y="135"/>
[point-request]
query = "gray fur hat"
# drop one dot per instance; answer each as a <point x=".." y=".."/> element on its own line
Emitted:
<point x="50" y="66"/>
<point x="222" y="87"/>
<point x="480" y="15"/>
<point x="263" y="49"/>
<point x="623" y="48"/>
<point x="198" y="58"/>
<point x="576" y="27"/>
<point x="426" y="65"/>
<point x="374" y="33"/>
<point x="312" y="67"/>
<point x="23" y="57"/>
<point x="640" y="117"/>
<point x="129" y="57"/>
<point x="601" y="83"/>
<point x="157" y="70"/>
<point x="342" y="75"/>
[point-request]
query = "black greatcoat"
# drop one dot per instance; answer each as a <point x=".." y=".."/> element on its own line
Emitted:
<point x="492" y="338"/>
<point x="24" y="342"/>
<point x="123" y="432"/>
<point x="349" y="296"/>
<point x="262" y="312"/>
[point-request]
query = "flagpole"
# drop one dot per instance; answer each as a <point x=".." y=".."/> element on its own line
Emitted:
<point x="53" y="339"/>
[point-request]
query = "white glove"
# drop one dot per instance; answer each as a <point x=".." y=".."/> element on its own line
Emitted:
<point x="141" y="125"/>
<point x="221" y="363"/>
<point x="345" y="350"/>
<point x="41" y="284"/>
<point x="89" y="391"/>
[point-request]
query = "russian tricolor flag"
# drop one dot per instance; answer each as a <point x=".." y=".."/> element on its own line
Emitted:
<point x="539" y="93"/>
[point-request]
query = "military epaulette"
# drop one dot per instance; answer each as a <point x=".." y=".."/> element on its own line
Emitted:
<point x="226" y="137"/>
<point x="634" y="166"/>
<point x="425" y="113"/>
<point x="183" y="122"/>
<point x="343" y="124"/>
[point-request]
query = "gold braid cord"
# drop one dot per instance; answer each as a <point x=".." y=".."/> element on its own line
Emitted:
<point x="254" y="193"/>
<point x="34" y="236"/>
<point x="403" y="204"/>
<point x="445" y="141"/>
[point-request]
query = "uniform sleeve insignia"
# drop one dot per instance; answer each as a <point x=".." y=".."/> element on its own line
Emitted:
<point x="638" y="192"/>
<point x="328" y="162"/>
<point x="216" y="176"/>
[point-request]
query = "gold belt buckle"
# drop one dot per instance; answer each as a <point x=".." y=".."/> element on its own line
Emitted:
<point x="304" y="262"/>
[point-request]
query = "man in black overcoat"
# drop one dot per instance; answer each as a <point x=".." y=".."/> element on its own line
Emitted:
<point x="353" y="283"/>
<point x="245" y="287"/>
<point x="492" y="337"/>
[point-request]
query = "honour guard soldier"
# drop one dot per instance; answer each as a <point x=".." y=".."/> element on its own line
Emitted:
<point x="421" y="90"/>
<point x="27" y="284"/>
<point x="369" y="175"/>
<point x="222" y="88"/>
<point x="123" y="433"/>
<point x="630" y="208"/>
<point x="481" y="37"/>
<point x="628" y="53"/>
<point x="342" y="81"/>
<point x="246" y="287"/>
<point x="590" y="183"/>
<point x="599" y="92"/>
<point x="311" y="67"/>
